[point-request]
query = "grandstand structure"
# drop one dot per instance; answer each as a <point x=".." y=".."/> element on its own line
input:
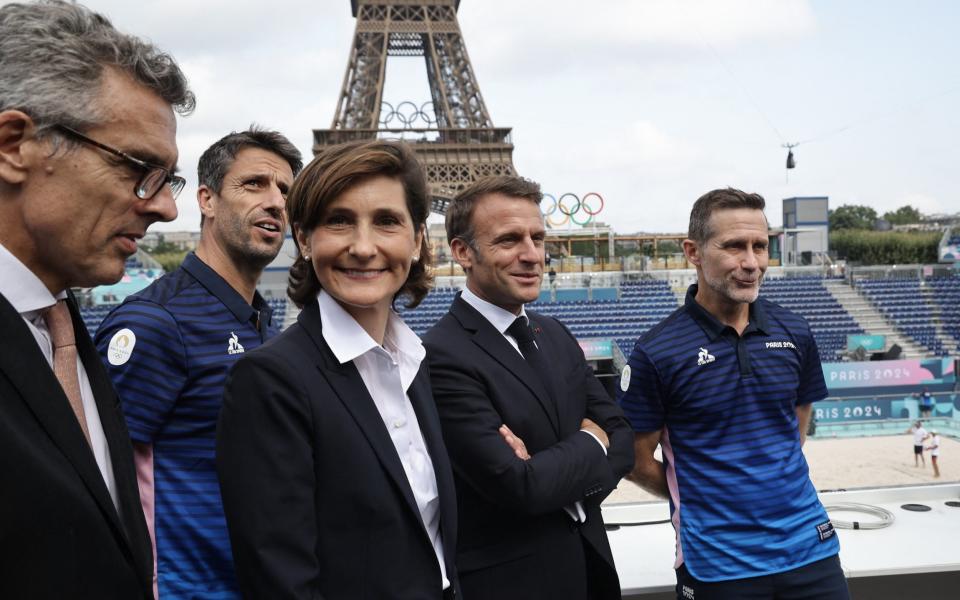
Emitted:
<point x="918" y="313"/>
<point x="620" y="314"/>
<point x="833" y="307"/>
<point x="924" y="309"/>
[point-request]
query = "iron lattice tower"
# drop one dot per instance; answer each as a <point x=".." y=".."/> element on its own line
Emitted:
<point x="458" y="143"/>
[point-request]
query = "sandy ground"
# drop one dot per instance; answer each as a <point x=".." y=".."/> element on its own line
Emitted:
<point x="853" y="463"/>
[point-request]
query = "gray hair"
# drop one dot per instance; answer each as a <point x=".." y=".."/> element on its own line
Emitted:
<point x="218" y="158"/>
<point x="53" y="55"/>
<point x="721" y="199"/>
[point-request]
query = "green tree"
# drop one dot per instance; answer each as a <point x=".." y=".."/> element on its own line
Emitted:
<point x="904" y="215"/>
<point x="885" y="247"/>
<point x="164" y="247"/>
<point x="169" y="260"/>
<point x="668" y="247"/>
<point x="852" y="216"/>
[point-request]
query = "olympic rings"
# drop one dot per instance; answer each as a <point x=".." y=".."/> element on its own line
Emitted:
<point x="408" y="115"/>
<point x="586" y="208"/>
<point x="570" y="212"/>
<point x="553" y="208"/>
<point x="586" y="221"/>
<point x="563" y="209"/>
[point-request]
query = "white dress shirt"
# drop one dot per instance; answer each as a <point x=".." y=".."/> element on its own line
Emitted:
<point x="30" y="297"/>
<point x="388" y="371"/>
<point x="501" y="320"/>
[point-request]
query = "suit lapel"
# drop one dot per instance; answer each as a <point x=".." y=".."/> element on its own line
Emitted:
<point x="422" y="399"/>
<point x="118" y="439"/>
<point x="29" y="372"/>
<point x="350" y="390"/>
<point x="493" y="343"/>
<point x="551" y="355"/>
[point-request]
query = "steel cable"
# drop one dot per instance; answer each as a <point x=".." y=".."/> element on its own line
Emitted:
<point x="886" y="517"/>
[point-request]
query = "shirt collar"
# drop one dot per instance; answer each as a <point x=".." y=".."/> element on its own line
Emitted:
<point x="713" y="327"/>
<point x="348" y="340"/>
<point x="218" y="286"/>
<point x="22" y="288"/>
<point x="500" y="318"/>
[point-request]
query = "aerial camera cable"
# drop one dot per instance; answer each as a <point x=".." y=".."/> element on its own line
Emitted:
<point x="886" y="517"/>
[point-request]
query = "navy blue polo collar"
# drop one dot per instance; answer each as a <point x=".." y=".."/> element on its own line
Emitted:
<point x="230" y="298"/>
<point x="714" y="328"/>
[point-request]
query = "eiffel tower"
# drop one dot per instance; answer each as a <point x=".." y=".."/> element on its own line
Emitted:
<point x="455" y="138"/>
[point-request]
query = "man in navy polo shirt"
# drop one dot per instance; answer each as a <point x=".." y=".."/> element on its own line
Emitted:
<point x="168" y="349"/>
<point x="725" y="385"/>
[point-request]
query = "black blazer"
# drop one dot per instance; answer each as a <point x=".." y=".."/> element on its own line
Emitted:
<point x="516" y="541"/>
<point x="60" y="534"/>
<point x="316" y="499"/>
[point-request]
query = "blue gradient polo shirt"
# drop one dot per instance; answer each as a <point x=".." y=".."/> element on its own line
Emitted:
<point x="168" y="349"/>
<point x="741" y="499"/>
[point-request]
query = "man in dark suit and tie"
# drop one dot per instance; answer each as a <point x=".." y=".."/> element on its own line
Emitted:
<point x="536" y="443"/>
<point x="87" y="156"/>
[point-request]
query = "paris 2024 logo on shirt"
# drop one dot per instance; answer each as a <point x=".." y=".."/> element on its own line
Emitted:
<point x="121" y="347"/>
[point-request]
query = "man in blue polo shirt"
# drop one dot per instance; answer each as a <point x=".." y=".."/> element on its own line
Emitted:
<point x="725" y="386"/>
<point x="168" y="349"/>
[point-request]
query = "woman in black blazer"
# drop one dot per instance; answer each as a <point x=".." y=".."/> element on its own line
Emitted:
<point x="334" y="476"/>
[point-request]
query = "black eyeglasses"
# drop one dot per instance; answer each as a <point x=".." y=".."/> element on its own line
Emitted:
<point x="154" y="176"/>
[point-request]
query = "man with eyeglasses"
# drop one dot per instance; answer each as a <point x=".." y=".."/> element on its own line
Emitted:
<point x="168" y="349"/>
<point x="87" y="162"/>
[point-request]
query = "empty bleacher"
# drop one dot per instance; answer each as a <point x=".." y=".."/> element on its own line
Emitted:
<point x="278" y="306"/>
<point x="807" y="296"/>
<point x="94" y="315"/>
<point x="596" y="313"/>
<point x="641" y="305"/>
<point x="435" y="305"/>
<point x="915" y="311"/>
<point x="947" y="297"/>
<point x="625" y="314"/>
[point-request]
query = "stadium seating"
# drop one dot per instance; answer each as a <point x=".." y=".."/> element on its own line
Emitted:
<point x="279" y="308"/>
<point x="913" y="312"/>
<point x="435" y="305"/>
<point x="624" y="313"/>
<point x="642" y="304"/>
<point x="947" y="297"/>
<point x="807" y="296"/>
<point x="94" y="315"/>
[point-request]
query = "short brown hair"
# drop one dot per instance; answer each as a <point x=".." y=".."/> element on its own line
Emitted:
<point x="714" y="200"/>
<point x="335" y="170"/>
<point x="460" y="210"/>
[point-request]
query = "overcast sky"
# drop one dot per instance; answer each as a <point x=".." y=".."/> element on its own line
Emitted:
<point x="647" y="102"/>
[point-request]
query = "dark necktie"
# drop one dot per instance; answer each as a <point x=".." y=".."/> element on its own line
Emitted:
<point x="521" y="332"/>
